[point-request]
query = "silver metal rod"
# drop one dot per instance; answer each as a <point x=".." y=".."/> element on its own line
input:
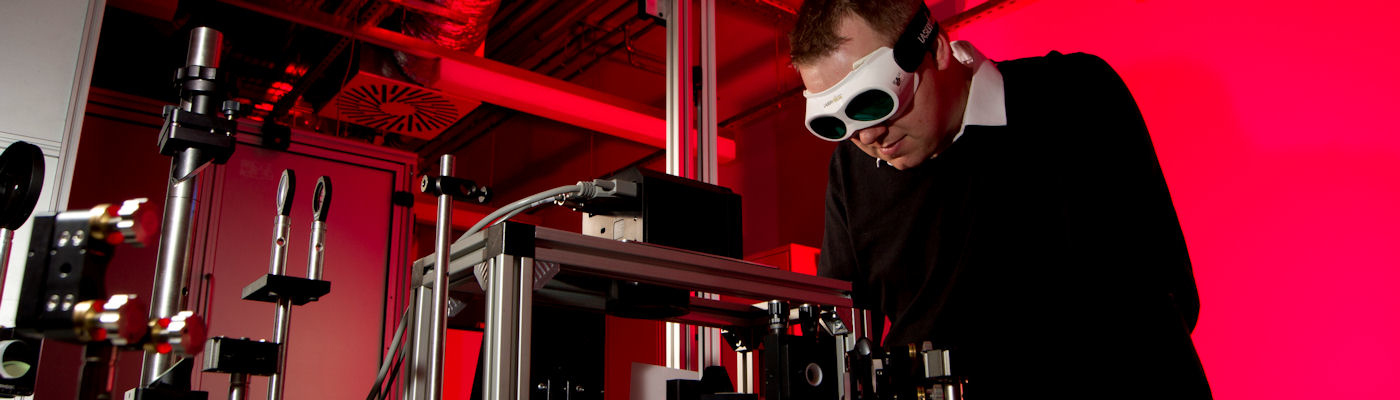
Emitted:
<point x="744" y="371"/>
<point x="673" y="346"/>
<point x="865" y="325"/>
<point x="843" y="374"/>
<point x="710" y="341"/>
<point x="414" y="379"/>
<point x="525" y="284"/>
<point x="680" y="112"/>
<point x="206" y="44"/>
<point x="706" y="146"/>
<point x="680" y="116"/>
<point x="281" y="330"/>
<point x="316" y="260"/>
<point x="281" y="234"/>
<point x="7" y="238"/>
<point x="438" y="323"/>
<point x="167" y="296"/>
<point x="237" y="386"/>
<point x="508" y="308"/>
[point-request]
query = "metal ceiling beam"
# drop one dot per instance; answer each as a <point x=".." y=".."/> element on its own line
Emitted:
<point x="559" y="100"/>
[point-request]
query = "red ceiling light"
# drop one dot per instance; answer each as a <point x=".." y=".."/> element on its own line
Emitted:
<point x="296" y="70"/>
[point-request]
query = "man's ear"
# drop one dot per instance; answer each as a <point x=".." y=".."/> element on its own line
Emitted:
<point x="943" y="56"/>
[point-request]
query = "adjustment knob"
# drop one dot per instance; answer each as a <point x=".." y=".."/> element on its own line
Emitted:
<point x="131" y="223"/>
<point x="120" y="319"/>
<point x="182" y="334"/>
<point x="137" y="224"/>
<point x="232" y="108"/>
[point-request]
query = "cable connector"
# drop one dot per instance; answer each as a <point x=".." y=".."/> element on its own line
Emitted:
<point x="598" y="188"/>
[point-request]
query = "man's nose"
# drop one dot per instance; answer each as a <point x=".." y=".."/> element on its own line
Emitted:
<point x="871" y="135"/>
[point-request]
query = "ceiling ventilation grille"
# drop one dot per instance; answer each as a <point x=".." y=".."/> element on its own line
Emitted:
<point x="393" y="106"/>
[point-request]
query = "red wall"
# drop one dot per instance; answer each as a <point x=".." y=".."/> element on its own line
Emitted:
<point x="1271" y="120"/>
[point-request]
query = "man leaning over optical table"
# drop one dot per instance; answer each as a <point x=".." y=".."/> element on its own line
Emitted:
<point x="1013" y="211"/>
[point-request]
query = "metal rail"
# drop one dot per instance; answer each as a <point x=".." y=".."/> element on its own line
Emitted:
<point x="505" y="257"/>
<point x="655" y="264"/>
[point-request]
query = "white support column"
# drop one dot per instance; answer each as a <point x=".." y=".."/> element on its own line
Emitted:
<point x="708" y="164"/>
<point x="707" y="168"/>
<point x="680" y="110"/>
<point x="680" y="118"/>
<point x="691" y="149"/>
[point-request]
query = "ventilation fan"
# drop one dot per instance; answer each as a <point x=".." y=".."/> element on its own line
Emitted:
<point x="393" y="106"/>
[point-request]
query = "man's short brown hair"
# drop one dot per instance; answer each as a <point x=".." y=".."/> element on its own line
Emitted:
<point x="815" y="33"/>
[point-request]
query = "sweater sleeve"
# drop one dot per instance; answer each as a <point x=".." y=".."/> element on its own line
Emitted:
<point x="837" y="259"/>
<point x="1116" y="154"/>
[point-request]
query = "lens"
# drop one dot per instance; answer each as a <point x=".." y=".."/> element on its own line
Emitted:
<point x="870" y="106"/>
<point x="829" y="127"/>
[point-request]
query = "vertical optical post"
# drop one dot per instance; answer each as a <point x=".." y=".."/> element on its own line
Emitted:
<point x="320" y="208"/>
<point x="197" y="132"/>
<point x="443" y="248"/>
<point x="430" y="322"/>
<point x="282" y="226"/>
<point x="242" y="357"/>
<point x="508" y="284"/>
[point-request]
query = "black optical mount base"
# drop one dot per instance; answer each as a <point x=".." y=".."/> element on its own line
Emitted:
<point x="270" y="288"/>
<point x="207" y="132"/>
<point x="164" y="394"/>
<point x="173" y="384"/>
<point x="240" y="356"/>
<point x="205" y="119"/>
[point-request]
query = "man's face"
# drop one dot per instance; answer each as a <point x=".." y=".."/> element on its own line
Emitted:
<point x="903" y="141"/>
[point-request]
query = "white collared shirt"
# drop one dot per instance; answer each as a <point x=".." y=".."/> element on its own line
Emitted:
<point x="986" y="97"/>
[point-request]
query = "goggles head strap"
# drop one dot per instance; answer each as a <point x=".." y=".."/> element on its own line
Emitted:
<point x="920" y="36"/>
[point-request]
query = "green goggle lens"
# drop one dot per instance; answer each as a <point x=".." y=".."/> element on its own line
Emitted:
<point x="829" y="127"/>
<point x="870" y="106"/>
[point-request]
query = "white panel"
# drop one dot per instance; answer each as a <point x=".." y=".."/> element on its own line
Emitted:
<point x="41" y="41"/>
<point x="47" y="48"/>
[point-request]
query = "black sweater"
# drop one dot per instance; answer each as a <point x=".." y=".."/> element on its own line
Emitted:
<point x="1046" y="251"/>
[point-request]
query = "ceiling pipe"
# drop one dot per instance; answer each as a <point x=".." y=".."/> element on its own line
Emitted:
<point x="484" y="119"/>
<point x="284" y="104"/>
<point x="450" y="12"/>
<point x="559" y="100"/>
<point x="455" y="24"/>
<point x="458" y="25"/>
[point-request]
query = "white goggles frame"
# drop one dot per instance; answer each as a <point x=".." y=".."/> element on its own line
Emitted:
<point x="876" y="71"/>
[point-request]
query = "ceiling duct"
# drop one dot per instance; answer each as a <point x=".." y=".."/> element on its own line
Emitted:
<point x="395" y="106"/>
<point x="394" y="95"/>
<point x="458" y="25"/>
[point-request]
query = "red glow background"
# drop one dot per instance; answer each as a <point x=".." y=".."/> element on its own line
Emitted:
<point x="1272" y="120"/>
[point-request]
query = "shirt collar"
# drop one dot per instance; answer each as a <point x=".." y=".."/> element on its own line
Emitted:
<point x="986" y="97"/>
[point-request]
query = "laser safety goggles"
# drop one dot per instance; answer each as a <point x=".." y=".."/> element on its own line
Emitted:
<point x="872" y="93"/>
<point x="879" y="86"/>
